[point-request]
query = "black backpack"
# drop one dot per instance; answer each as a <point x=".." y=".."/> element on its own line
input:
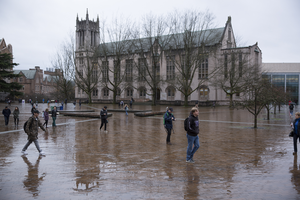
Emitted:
<point x="25" y="124"/>
<point x="186" y="124"/>
<point x="291" y="107"/>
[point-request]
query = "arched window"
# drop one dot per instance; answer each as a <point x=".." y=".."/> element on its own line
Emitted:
<point x="105" y="92"/>
<point x="129" y="92"/>
<point x="95" y="93"/>
<point x="142" y="92"/>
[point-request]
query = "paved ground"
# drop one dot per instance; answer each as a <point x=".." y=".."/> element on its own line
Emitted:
<point x="132" y="161"/>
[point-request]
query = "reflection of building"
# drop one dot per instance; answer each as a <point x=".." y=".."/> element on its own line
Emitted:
<point x="286" y="76"/>
<point x="36" y="82"/>
<point x="222" y="40"/>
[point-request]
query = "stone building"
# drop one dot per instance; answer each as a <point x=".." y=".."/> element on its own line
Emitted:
<point x="221" y="39"/>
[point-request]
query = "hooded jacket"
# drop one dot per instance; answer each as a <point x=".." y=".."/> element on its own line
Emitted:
<point x="193" y="128"/>
<point x="6" y="112"/>
<point x="32" y="128"/>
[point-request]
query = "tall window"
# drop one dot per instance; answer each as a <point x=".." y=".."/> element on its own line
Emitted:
<point x="240" y="65"/>
<point x="142" y="92"/>
<point x="128" y="70"/>
<point x="21" y="80"/>
<point x="225" y="66"/>
<point x="105" y="71"/>
<point x="117" y="71"/>
<point x="142" y="69"/>
<point x="170" y="92"/>
<point x="105" y="92"/>
<point x="203" y="91"/>
<point x="95" y="93"/>
<point x="170" y="68"/>
<point x="129" y="92"/>
<point x="95" y="76"/>
<point x="203" y="69"/>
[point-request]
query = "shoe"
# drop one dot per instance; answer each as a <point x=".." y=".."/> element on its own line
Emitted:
<point x="42" y="153"/>
<point x="192" y="161"/>
<point x="24" y="152"/>
<point x="295" y="153"/>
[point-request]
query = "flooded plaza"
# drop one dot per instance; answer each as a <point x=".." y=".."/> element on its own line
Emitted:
<point x="132" y="160"/>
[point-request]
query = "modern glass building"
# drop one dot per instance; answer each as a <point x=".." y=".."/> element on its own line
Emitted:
<point x="286" y="76"/>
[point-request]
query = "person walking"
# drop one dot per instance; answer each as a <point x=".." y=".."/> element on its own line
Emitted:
<point x="6" y="112"/>
<point x="296" y="129"/>
<point x="31" y="129"/>
<point x="54" y="114"/>
<point x="291" y="107"/>
<point x="126" y="109"/>
<point x="103" y="116"/>
<point x="192" y="135"/>
<point x="80" y="103"/>
<point x="46" y="117"/>
<point x="168" y="122"/>
<point x="130" y="103"/>
<point x="16" y="116"/>
<point x="33" y="109"/>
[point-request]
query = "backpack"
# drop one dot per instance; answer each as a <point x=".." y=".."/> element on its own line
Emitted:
<point x="291" y="107"/>
<point x="25" y="124"/>
<point x="186" y="124"/>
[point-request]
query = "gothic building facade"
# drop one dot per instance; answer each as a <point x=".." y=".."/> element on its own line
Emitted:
<point x="166" y="92"/>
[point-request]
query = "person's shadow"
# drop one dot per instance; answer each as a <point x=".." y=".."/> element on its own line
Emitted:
<point x="295" y="171"/>
<point x="32" y="180"/>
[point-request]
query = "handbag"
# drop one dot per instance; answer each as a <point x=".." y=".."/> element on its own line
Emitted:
<point x="291" y="134"/>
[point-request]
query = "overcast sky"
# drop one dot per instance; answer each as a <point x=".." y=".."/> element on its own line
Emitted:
<point x="36" y="28"/>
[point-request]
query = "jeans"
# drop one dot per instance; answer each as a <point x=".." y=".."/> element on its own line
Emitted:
<point x="6" y="120"/>
<point x="29" y="142"/>
<point x="295" y="137"/>
<point x="192" y="140"/>
<point x="126" y="112"/>
<point x="53" y="123"/>
<point x="103" y="121"/>
<point x="169" y="135"/>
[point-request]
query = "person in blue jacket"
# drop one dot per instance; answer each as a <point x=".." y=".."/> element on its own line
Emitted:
<point x="168" y="123"/>
<point x="296" y="126"/>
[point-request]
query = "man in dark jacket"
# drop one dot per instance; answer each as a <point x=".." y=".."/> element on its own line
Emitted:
<point x="103" y="116"/>
<point x="54" y="113"/>
<point x="6" y="112"/>
<point x="192" y="135"/>
<point x="32" y="131"/>
<point x="168" y="122"/>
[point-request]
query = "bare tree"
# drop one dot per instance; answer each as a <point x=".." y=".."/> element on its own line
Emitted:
<point x="148" y="46"/>
<point x="192" y="41"/>
<point x="118" y="34"/>
<point x="64" y="63"/>
<point x="88" y="72"/>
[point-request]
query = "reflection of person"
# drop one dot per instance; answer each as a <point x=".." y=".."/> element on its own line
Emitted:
<point x="191" y="190"/>
<point x="126" y="109"/>
<point x="16" y="116"/>
<point x="192" y="135"/>
<point x="6" y="112"/>
<point x="295" y="171"/>
<point x="32" y="131"/>
<point x="54" y="113"/>
<point x="103" y="116"/>
<point x="168" y="122"/>
<point x="32" y="180"/>
<point x="296" y="127"/>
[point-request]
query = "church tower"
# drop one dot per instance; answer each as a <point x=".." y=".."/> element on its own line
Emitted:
<point x="87" y="33"/>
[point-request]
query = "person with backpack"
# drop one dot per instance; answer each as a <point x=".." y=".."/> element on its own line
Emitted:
<point x="16" y="116"/>
<point x="31" y="128"/>
<point x="103" y="116"/>
<point x="54" y="114"/>
<point x="168" y="123"/>
<point x="6" y="112"/>
<point x="291" y="107"/>
<point x="192" y="128"/>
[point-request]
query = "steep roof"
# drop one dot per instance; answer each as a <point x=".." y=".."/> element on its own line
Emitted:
<point x="208" y="37"/>
<point x="29" y="74"/>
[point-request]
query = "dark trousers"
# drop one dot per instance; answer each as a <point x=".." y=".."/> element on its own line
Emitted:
<point x="169" y="135"/>
<point x="6" y="120"/>
<point x="295" y="141"/>
<point x="29" y="142"/>
<point x="103" y="121"/>
<point x="46" y="122"/>
<point x="16" y="119"/>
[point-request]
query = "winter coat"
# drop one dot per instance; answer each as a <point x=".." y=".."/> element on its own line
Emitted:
<point x="32" y="128"/>
<point x="298" y="127"/>
<point x="103" y="114"/>
<point x="6" y="112"/>
<point x="16" y="113"/>
<point x="54" y="113"/>
<point x="168" y="120"/>
<point x="193" y="128"/>
<point x="46" y="115"/>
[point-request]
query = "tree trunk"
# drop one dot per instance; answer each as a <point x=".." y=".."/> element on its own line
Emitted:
<point x="90" y="98"/>
<point x="186" y="98"/>
<point x="114" y="97"/>
<point x="231" y="106"/>
<point x="268" y="113"/>
<point x="255" y="121"/>
<point x="275" y="109"/>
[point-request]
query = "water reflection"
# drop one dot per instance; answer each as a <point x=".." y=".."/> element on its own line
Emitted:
<point x="295" y="171"/>
<point x="191" y="187"/>
<point x="32" y="180"/>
